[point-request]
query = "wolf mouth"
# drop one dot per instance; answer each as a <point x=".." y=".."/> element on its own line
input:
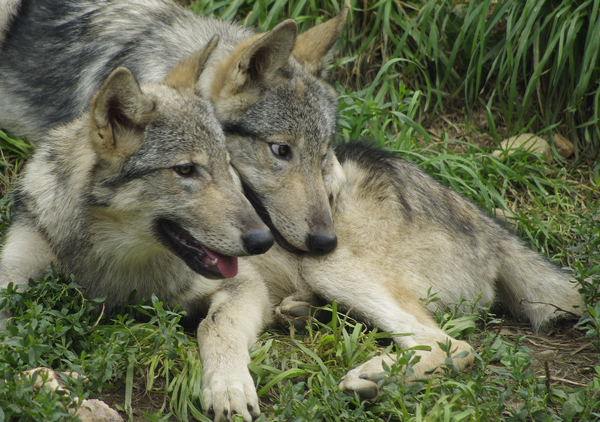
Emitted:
<point x="198" y="257"/>
<point x="262" y="212"/>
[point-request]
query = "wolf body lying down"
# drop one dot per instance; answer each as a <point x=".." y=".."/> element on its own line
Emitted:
<point x="138" y="195"/>
<point x="402" y="233"/>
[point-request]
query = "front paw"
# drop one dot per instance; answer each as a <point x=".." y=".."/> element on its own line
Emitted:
<point x="364" y="378"/>
<point x="228" y="393"/>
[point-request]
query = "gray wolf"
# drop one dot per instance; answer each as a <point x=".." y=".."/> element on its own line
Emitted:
<point x="401" y="233"/>
<point x="138" y="194"/>
<point x="267" y="89"/>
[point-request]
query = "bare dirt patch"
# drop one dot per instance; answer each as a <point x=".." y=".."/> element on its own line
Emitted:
<point x="562" y="353"/>
<point x="142" y="401"/>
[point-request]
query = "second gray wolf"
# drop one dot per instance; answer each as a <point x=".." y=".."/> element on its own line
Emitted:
<point x="268" y="91"/>
<point x="403" y="236"/>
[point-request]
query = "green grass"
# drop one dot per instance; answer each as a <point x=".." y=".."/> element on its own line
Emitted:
<point x="537" y="62"/>
<point x="524" y="65"/>
<point x="296" y="376"/>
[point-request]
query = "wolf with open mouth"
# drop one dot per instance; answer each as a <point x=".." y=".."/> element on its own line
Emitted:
<point x="268" y="91"/>
<point x="138" y="194"/>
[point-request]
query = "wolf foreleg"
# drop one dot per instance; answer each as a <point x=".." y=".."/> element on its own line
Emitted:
<point x="384" y="300"/>
<point x="25" y="255"/>
<point x="237" y="314"/>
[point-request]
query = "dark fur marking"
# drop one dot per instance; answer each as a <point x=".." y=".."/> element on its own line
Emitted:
<point x="240" y="129"/>
<point x="128" y="176"/>
<point x="20" y="200"/>
<point x="435" y="200"/>
<point x="95" y="201"/>
<point x="375" y="161"/>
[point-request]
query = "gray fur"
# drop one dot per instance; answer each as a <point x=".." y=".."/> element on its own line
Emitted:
<point x="90" y="200"/>
<point x="400" y="234"/>
<point x="98" y="222"/>
<point x="56" y="53"/>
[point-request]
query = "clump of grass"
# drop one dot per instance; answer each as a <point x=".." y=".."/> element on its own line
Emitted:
<point x="296" y="376"/>
<point x="54" y="326"/>
<point x="587" y="270"/>
<point x="51" y="327"/>
<point x="13" y="154"/>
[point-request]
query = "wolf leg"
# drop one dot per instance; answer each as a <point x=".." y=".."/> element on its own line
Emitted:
<point x="364" y="378"/>
<point x="237" y="314"/>
<point x="26" y="254"/>
<point x="411" y="327"/>
<point x="384" y="299"/>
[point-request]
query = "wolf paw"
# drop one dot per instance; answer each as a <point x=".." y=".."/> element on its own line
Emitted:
<point x="364" y="378"/>
<point x="296" y="310"/>
<point x="225" y="396"/>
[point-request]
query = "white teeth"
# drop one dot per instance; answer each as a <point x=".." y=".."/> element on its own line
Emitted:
<point x="214" y="261"/>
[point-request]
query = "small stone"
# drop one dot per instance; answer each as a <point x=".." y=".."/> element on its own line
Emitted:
<point x="93" y="410"/>
<point x="526" y="141"/>
<point x="547" y="354"/>
<point x="563" y="146"/>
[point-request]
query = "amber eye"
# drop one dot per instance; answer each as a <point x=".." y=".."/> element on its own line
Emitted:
<point x="185" y="170"/>
<point x="282" y="151"/>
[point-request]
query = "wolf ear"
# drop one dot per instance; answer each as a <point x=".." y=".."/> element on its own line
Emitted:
<point x="263" y="60"/>
<point x="186" y="74"/>
<point x="252" y="68"/>
<point x="120" y="113"/>
<point x="314" y="48"/>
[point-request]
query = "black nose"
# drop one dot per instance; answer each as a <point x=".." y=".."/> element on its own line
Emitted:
<point x="258" y="241"/>
<point x="321" y="242"/>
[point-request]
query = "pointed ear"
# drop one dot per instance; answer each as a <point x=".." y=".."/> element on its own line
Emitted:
<point x="120" y="113"/>
<point x="186" y="74"/>
<point x="263" y="60"/>
<point x="252" y="68"/>
<point x="314" y="48"/>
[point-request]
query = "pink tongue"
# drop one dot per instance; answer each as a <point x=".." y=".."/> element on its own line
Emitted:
<point x="227" y="265"/>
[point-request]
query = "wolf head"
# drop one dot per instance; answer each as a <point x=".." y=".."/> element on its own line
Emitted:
<point x="280" y="119"/>
<point x="162" y="172"/>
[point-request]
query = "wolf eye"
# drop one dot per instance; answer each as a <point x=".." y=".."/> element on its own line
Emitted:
<point x="282" y="150"/>
<point x="185" y="170"/>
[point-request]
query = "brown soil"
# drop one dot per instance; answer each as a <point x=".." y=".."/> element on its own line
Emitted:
<point x="142" y="401"/>
<point x="570" y="357"/>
